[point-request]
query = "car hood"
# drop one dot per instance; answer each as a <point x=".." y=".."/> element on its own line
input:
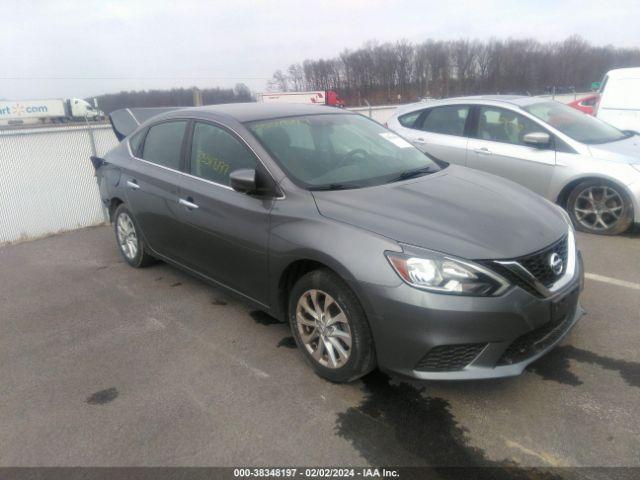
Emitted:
<point x="627" y="150"/>
<point x="457" y="211"/>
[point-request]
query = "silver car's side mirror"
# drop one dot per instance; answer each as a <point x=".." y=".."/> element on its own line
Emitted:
<point x="243" y="180"/>
<point x="537" y="139"/>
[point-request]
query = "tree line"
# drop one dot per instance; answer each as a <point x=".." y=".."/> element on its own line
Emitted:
<point x="175" y="97"/>
<point x="403" y="71"/>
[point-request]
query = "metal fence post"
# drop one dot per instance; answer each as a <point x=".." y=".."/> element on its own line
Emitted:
<point x="368" y="105"/>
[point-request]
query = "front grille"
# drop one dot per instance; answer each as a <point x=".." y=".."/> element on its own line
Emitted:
<point x="538" y="263"/>
<point x="513" y="278"/>
<point x="529" y="344"/>
<point x="447" y="358"/>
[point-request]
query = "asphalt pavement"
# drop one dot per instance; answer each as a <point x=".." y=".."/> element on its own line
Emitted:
<point x="102" y="364"/>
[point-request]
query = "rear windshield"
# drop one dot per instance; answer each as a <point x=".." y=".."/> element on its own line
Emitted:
<point x="575" y="124"/>
<point x="336" y="151"/>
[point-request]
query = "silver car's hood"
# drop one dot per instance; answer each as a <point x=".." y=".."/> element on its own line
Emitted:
<point x="458" y="211"/>
<point x="627" y="150"/>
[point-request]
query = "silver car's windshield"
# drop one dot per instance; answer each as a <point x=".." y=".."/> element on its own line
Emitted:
<point x="333" y="151"/>
<point x="575" y="124"/>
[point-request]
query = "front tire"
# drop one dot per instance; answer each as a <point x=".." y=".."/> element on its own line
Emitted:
<point x="130" y="243"/>
<point x="600" y="207"/>
<point x="330" y="327"/>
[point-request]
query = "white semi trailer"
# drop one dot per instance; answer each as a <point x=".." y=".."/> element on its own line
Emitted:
<point x="320" y="97"/>
<point x="26" y="112"/>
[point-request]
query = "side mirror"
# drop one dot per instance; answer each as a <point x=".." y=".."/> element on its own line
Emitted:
<point x="537" y="139"/>
<point x="243" y="180"/>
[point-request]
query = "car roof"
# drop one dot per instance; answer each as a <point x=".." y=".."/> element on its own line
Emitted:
<point x="515" y="100"/>
<point x="248" y="112"/>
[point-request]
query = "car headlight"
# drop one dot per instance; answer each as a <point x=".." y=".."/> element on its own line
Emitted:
<point x="439" y="273"/>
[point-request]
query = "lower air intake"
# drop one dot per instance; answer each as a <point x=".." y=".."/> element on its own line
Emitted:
<point x="447" y="358"/>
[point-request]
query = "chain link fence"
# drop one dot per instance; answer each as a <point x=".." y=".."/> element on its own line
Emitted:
<point x="47" y="182"/>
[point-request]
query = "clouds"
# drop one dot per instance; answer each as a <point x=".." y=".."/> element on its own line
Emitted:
<point x="95" y="47"/>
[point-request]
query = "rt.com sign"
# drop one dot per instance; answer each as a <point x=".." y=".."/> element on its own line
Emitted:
<point x="22" y="110"/>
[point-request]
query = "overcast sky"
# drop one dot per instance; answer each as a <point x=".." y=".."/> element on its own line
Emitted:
<point x="69" y="48"/>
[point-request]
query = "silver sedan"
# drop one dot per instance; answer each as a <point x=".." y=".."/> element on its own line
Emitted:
<point x="589" y="167"/>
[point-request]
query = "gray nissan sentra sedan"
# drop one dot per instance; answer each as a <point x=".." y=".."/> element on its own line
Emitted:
<point x="375" y="253"/>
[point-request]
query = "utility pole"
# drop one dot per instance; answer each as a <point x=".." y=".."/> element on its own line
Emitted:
<point x="197" y="97"/>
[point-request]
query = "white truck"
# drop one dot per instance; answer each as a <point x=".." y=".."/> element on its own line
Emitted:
<point x="26" y="112"/>
<point x="320" y="97"/>
<point x="619" y="102"/>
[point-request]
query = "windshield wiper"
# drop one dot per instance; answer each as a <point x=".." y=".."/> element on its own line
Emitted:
<point x="336" y="186"/>
<point x="416" y="172"/>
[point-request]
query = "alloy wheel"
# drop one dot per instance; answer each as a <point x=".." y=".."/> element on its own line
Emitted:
<point x="324" y="328"/>
<point x="127" y="236"/>
<point x="598" y="207"/>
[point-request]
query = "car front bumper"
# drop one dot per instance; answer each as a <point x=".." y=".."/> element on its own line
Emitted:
<point x="447" y="337"/>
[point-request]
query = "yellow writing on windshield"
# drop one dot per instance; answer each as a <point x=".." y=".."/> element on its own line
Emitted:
<point x="212" y="162"/>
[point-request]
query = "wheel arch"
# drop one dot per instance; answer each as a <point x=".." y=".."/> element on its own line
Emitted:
<point x="114" y="203"/>
<point x="563" y="196"/>
<point x="293" y="270"/>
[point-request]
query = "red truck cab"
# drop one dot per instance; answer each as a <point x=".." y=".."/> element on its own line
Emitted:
<point x="334" y="100"/>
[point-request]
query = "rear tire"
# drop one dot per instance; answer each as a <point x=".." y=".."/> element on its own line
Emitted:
<point x="600" y="207"/>
<point x="129" y="240"/>
<point x="330" y="327"/>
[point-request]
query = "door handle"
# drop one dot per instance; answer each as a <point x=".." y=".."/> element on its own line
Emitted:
<point x="188" y="203"/>
<point x="420" y="140"/>
<point x="133" y="185"/>
<point x="482" y="151"/>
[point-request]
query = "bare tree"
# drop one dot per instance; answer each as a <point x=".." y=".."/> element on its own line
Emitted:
<point x="296" y="79"/>
<point x="279" y="82"/>
<point x="380" y="73"/>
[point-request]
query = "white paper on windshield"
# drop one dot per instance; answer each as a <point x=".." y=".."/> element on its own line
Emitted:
<point x="396" y="140"/>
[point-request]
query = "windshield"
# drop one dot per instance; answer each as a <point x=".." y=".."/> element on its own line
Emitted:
<point x="340" y="151"/>
<point x="575" y="124"/>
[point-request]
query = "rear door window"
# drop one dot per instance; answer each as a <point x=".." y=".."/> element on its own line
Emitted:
<point x="163" y="144"/>
<point x="447" y="120"/>
<point x="215" y="153"/>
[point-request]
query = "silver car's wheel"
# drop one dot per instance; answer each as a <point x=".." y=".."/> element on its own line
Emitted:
<point x="598" y="207"/>
<point x="127" y="236"/>
<point x="324" y="328"/>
